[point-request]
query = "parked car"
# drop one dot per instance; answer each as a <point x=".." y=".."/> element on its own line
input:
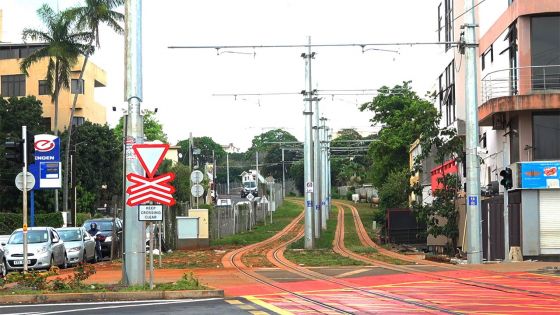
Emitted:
<point x="80" y="246"/>
<point x="3" y="267"/>
<point x="105" y="227"/>
<point x="44" y="249"/>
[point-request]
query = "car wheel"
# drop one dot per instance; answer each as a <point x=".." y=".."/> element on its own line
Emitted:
<point x="65" y="263"/>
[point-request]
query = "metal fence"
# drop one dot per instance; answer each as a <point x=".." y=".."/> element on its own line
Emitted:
<point x="520" y="80"/>
<point x="242" y="216"/>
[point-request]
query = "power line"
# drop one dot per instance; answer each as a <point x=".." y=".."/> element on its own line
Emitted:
<point x="361" y="45"/>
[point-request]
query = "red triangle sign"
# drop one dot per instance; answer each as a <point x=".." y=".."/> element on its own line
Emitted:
<point x="150" y="156"/>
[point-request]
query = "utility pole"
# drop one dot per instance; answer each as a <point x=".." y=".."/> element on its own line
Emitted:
<point x="227" y="171"/>
<point x="505" y="160"/>
<point x="323" y="153"/>
<point x="474" y="252"/>
<point x="191" y="165"/>
<point x="329" y="186"/>
<point x="134" y="230"/>
<point x="283" y="176"/>
<point x="317" y="171"/>
<point x="308" y="151"/>
<point x="24" y="137"/>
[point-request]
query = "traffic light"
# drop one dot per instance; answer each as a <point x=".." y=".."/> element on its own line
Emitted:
<point x="13" y="150"/>
<point x="507" y="179"/>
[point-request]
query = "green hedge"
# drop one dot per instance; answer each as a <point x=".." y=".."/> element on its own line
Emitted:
<point x="11" y="221"/>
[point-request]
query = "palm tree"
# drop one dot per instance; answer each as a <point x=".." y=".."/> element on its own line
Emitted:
<point x="62" y="46"/>
<point x="88" y="18"/>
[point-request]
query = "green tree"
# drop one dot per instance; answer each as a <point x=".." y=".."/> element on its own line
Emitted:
<point x="14" y="113"/>
<point x="404" y="117"/>
<point x="269" y="145"/>
<point x="207" y="147"/>
<point x="182" y="182"/>
<point x="153" y="129"/>
<point x="297" y="174"/>
<point x="88" y="18"/>
<point x="97" y="154"/>
<point x="395" y="190"/>
<point x="62" y="46"/>
<point x="349" y="166"/>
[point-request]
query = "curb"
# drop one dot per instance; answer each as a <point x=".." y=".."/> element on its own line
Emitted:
<point x="110" y="296"/>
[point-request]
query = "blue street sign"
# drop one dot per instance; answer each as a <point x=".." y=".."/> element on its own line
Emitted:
<point x="47" y="168"/>
<point x="473" y="200"/>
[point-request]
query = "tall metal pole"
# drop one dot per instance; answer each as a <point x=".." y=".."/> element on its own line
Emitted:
<point x="505" y="160"/>
<point x="134" y="230"/>
<point x="283" y="176"/>
<point x="474" y="252"/>
<point x="227" y="171"/>
<point x="323" y="154"/>
<point x="317" y="171"/>
<point x="329" y="186"/>
<point x="191" y="166"/>
<point x="24" y="137"/>
<point x="308" y="151"/>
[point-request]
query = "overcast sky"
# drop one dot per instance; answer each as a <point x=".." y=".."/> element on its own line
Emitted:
<point x="181" y="82"/>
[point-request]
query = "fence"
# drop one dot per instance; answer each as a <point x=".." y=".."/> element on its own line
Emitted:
<point x="242" y="216"/>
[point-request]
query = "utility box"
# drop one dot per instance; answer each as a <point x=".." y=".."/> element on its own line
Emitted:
<point x="187" y="232"/>
<point x="203" y="229"/>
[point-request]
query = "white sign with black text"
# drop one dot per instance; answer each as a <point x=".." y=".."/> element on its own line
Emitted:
<point x="150" y="212"/>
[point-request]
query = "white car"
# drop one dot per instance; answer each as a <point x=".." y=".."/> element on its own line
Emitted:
<point x="80" y="246"/>
<point x="44" y="249"/>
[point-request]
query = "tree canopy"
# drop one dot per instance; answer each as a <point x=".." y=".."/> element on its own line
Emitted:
<point x="153" y="129"/>
<point x="404" y="117"/>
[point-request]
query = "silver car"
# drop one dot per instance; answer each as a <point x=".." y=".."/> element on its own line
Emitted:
<point x="80" y="246"/>
<point x="44" y="249"/>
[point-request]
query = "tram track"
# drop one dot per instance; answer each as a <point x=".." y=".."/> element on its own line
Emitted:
<point x="366" y="241"/>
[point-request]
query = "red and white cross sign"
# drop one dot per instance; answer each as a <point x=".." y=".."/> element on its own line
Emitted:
<point x="149" y="188"/>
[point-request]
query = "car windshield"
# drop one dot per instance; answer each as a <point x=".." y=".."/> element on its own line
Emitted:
<point x="70" y="235"/>
<point x="101" y="225"/>
<point x="249" y="184"/>
<point x="32" y="237"/>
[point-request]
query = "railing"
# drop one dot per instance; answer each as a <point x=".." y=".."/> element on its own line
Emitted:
<point x="521" y="81"/>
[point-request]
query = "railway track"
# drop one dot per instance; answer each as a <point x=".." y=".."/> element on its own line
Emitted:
<point x="366" y="241"/>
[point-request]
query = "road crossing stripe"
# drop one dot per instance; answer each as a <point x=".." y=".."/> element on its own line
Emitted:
<point x="267" y="306"/>
<point x="234" y="302"/>
<point x="259" y="313"/>
<point x="246" y="307"/>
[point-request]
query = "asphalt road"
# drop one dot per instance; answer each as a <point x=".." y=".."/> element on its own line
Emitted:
<point x="200" y="306"/>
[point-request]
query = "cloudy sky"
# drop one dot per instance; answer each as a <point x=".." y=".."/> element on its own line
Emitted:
<point x="181" y="82"/>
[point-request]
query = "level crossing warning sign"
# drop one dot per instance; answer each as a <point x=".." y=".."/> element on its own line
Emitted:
<point x="150" y="188"/>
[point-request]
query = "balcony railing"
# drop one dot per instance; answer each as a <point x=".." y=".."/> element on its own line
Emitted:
<point x="521" y="81"/>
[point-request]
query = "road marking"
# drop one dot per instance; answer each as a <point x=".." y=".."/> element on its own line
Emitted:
<point x="234" y="302"/>
<point x="270" y="307"/>
<point x="350" y="273"/>
<point x="258" y="313"/>
<point x="117" y="306"/>
<point x="246" y="307"/>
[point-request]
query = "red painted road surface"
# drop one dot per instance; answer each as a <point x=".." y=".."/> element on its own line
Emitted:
<point x="455" y="292"/>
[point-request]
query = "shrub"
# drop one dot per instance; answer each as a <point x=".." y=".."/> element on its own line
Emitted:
<point x="11" y="221"/>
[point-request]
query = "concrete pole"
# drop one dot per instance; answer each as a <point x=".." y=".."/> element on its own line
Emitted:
<point x="474" y="252"/>
<point x="134" y="230"/>
<point x="317" y="196"/>
<point x="329" y="181"/>
<point x="308" y="150"/>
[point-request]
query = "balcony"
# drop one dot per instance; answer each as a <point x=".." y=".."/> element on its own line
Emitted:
<point x="519" y="89"/>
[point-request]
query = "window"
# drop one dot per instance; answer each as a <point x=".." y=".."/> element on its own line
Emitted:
<point x="78" y="121"/>
<point x="77" y="88"/>
<point x="546" y="132"/>
<point x="445" y="15"/>
<point x="488" y="57"/>
<point x="545" y="52"/>
<point x="13" y="85"/>
<point x="46" y="123"/>
<point x="446" y="94"/>
<point x="44" y="88"/>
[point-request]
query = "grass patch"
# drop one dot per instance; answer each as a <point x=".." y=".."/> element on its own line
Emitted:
<point x="322" y="255"/>
<point x="281" y="217"/>
<point x="352" y="241"/>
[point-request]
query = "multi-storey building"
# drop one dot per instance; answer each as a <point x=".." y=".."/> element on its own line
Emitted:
<point x="518" y="113"/>
<point x="519" y="116"/>
<point x="14" y="83"/>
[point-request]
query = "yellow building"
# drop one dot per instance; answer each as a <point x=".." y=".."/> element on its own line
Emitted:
<point x="14" y="83"/>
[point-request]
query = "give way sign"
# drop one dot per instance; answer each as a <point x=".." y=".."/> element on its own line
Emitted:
<point x="150" y="188"/>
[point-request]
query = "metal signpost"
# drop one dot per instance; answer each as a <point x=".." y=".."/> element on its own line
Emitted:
<point x="151" y="213"/>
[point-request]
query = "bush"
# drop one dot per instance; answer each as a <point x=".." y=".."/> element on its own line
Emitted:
<point x="82" y="217"/>
<point x="12" y="221"/>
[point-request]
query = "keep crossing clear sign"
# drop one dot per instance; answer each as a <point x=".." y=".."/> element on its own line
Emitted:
<point x="150" y="212"/>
